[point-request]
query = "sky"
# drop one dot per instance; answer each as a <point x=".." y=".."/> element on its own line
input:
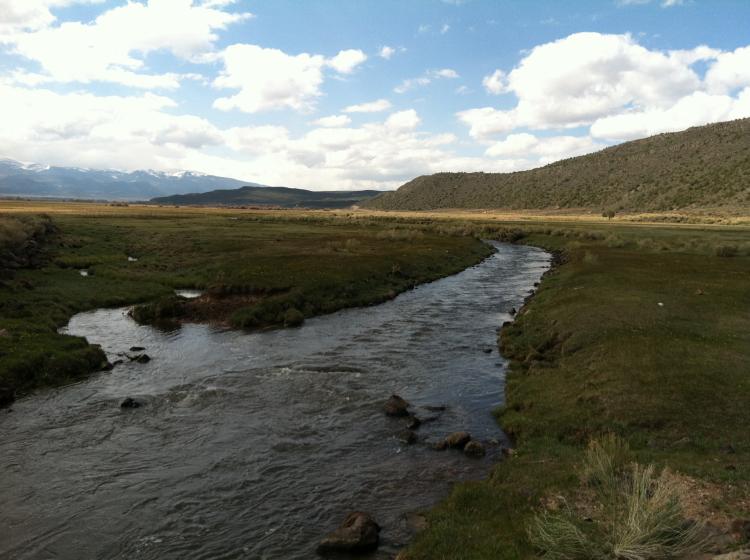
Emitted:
<point x="359" y="94"/>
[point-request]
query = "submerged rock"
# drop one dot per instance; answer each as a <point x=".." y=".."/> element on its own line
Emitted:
<point x="474" y="449"/>
<point x="407" y="436"/>
<point x="140" y="358"/>
<point x="358" y="533"/>
<point x="440" y="445"/>
<point x="130" y="403"/>
<point x="458" y="440"/>
<point x="412" y="422"/>
<point x="137" y="348"/>
<point x="396" y="406"/>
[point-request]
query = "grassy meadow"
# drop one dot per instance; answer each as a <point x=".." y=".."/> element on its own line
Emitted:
<point x="260" y="270"/>
<point x="641" y="331"/>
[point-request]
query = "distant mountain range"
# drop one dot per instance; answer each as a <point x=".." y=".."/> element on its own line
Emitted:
<point x="20" y="179"/>
<point x="271" y="196"/>
<point x="702" y="167"/>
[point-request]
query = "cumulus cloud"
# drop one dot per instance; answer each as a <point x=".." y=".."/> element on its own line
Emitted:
<point x="403" y="120"/>
<point x="588" y="77"/>
<point x="386" y="52"/>
<point x="112" y="47"/>
<point x="495" y="83"/>
<point x="369" y="107"/>
<point x="20" y="15"/>
<point x="333" y="121"/>
<point x="268" y="79"/>
<point x="542" y="149"/>
<point x="426" y="79"/>
<point x="347" y="60"/>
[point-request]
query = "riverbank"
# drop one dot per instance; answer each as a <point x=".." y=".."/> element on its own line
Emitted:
<point x="639" y="332"/>
<point x="274" y="268"/>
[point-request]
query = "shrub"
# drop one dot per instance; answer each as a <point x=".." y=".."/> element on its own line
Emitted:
<point x="639" y="513"/>
<point x="293" y="317"/>
<point x="727" y="251"/>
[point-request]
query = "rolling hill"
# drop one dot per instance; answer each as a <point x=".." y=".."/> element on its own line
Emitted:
<point x="702" y="167"/>
<point x="270" y="196"/>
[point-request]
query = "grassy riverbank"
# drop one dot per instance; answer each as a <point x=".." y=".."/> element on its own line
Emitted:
<point x="643" y="332"/>
<point x="260" y="270"/>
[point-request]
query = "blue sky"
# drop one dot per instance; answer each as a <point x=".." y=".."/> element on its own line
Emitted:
<point x="337" y="95"/>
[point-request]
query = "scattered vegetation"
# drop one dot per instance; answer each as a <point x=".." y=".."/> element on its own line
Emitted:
<point x="638" y="512"/>
<point x="258" y="270"/>
<point x="702" y="167"/>
<point x="639" y="331"/>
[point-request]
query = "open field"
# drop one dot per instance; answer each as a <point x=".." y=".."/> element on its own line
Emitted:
<point x="260" y="271"/>
<point x="641" y="330"/>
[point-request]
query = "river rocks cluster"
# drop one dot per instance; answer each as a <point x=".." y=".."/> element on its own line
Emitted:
<point x="359" y="533"/>
<point x="397" y="407"/>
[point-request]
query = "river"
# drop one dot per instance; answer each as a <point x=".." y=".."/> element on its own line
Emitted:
<point x="256" y="445"/>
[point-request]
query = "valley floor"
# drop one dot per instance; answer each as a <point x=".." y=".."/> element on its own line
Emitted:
<point x="641" y="330"/>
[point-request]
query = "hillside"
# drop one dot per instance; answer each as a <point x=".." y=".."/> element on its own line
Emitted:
<point x="702" y="167"/>
<point x="20" y="179"/>
<point x="270" y="196"/>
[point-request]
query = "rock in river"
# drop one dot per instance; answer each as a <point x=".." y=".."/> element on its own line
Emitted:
<point x="474" y="449"/>
<point x="130" y="403"/>
<point x="396" y="406"/>
<point x="458" y="440"/>
<point x="358" y="533"/>
<point x="407" y="436"/>
<point x="412" y="422"/>
<point x="137" y="348"/>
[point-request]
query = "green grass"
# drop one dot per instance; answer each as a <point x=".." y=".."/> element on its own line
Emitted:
<point x="593" y="353"/>
<point x="296" y="267"/>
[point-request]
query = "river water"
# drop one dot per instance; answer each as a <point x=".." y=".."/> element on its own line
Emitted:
<point x="255" y="445"/>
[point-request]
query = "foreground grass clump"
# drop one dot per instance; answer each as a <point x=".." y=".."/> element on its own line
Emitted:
<point x="638" y="514"/>
<point x="647" y="338"/>
<point x="258" y="270"/>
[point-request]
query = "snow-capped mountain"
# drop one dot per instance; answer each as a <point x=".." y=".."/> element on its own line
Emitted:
<point x="24" y="179"/>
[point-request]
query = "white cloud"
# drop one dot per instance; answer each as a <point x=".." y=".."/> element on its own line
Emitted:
<point x="347" y="60"/>
<point x="268" y="79"/>
<point x="333" y="121"/>
<point x="663" y="3"/>
<point x="445" y="28"/>
<point x="542" y="149"/>
<point x="369" y="107"/>
<point x="495" y="83"/>
<point x="426" y="79"/>
<point x="113" y="46"/>
<point x="696" y="109"/>
<point x="576" y="80"/>
<point x="730" y="71"/>
<point x="19" y="15"/>
<point x="403" y="120"/>
<point x="386" y="52"/>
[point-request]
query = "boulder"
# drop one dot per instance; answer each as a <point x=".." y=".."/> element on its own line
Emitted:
<point x="396" y="406"/>
<point x="137" y="348"/>
<point x="508" y="451"/>
<point x="412" y="422"/>
<point x="436" y="408"/>
<point x="143" y="359"/>
<point x="358" y="533"/>
<point x="474" y="449"/>
<point x="407" y="436"/>
<point x="458" y="440"/>
<point x="130" y="403"/>
<point x="440" y="445"/>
